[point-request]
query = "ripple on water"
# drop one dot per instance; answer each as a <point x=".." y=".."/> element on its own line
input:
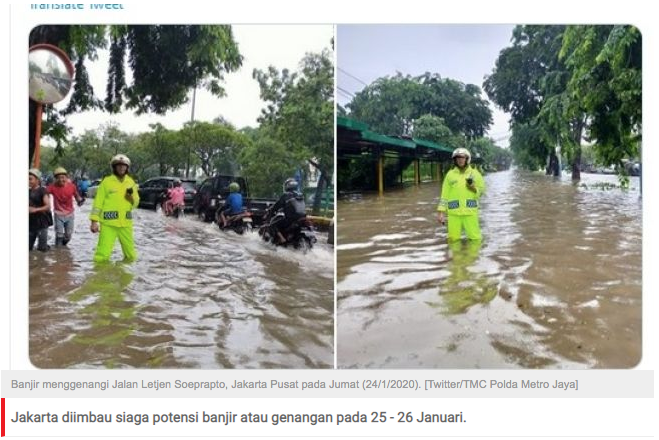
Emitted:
<point x="196" y="298"/>
<point x="553" y="275"/>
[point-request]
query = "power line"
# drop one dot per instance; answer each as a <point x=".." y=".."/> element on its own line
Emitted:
<point x="345" y="92"/>
<point x="352" y="76"/>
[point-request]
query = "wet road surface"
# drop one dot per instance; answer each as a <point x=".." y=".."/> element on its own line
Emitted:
<point x="196" y="298"/>
<point x="556" y="282"/>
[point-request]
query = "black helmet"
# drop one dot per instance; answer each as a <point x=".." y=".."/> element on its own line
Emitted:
<point x="290" y="185"/>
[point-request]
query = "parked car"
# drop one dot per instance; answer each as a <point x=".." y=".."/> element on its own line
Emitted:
<point x="91" y="191"/>
<point x="153" y="191"/>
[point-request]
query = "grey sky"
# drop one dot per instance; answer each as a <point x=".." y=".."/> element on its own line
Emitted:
<point x="462" y="52"/>
<point x="282" y="46"/>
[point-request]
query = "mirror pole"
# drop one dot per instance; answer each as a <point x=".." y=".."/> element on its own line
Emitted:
<point x="37" y="136"/>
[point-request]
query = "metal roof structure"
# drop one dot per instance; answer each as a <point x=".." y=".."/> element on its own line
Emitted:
<point x="355" y="138"/>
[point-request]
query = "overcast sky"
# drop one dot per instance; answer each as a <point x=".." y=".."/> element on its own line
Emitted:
<point x="282" y="46"/>
<point x="462" y="52"/>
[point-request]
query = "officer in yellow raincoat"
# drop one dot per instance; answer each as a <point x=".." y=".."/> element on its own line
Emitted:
<point x="113" y="209"/>
<point x="461" y="192"/>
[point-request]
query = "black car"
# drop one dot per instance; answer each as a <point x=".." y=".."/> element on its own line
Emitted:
<point x="213" y="192"/>
<point x="153" y="191"/>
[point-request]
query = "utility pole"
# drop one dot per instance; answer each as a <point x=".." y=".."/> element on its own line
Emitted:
<point x="187" y="164"/>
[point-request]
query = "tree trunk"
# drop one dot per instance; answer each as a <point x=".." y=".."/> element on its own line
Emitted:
<point x="576" y="163"/>
<point x="552" y="168"/>
<point x="206" y="167"/>
<point x="576" y="138"/>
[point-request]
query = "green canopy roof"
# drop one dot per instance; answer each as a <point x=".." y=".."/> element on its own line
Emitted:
<point x="363" y="133"/>
<point x="434" y="146"/>
<point x="351" y="124"/>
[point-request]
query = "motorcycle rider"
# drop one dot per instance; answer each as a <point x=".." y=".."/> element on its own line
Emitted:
<point x="175" y="197"/>
<point x="83" y="186"/>
<point x="233" y="204"/>
<point x="292" y="203"/>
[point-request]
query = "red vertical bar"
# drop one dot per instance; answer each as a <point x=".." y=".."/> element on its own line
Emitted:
<point x="3" y="417"/>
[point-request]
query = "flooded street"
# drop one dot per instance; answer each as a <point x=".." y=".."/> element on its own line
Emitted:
<point x="556" y="282"/>
<point x="196" y="298"/>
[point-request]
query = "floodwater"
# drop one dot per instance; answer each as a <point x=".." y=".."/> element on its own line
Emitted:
<point x="556" y="282"/>
<point x="197" y="297"/>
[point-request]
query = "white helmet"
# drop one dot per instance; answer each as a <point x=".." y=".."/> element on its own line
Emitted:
<point x="120" y="159"/>
<point x="462" y="152"/>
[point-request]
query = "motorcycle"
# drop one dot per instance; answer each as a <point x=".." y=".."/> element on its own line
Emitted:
<point x="176" y="210"/>
<point x="299" y="235"/>
<point x="238" y="223"/>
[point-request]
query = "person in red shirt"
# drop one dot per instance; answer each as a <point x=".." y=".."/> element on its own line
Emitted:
<point x="63" y="192"/>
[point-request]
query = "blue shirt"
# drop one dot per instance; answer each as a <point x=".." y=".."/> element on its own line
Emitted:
<point x="235" y="203"/>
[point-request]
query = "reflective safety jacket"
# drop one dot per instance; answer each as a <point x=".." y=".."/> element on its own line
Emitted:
<point x="110" y="206"/>
<point x="456" y="198"/>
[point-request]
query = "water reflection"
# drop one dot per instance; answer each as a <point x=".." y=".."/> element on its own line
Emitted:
<point x="196" y="298"/>
<point x="554" y="284"/>
<point x="464" y="288"/>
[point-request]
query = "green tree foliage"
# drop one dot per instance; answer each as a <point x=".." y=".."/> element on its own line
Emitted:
<point x="90" y="153"/>
<point x="300" y="114"/>
<point x="388" y="105"/>
<point x="268" y="162"/>
<point x="565" y="82"/>
<point x="391" y="104"/>
<point x="527" y="81"/>
<point x="528" y="146"/>
<point x="606" y="78"/>
<point x="217" y="146"/>
<point x="162" y="147"/>
<point x="166" y="62"/>
<point x="492" y="157"/>
<point x="433" y="128"/>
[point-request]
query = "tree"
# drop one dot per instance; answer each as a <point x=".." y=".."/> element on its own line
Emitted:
<point x="388" y="105"/>
<point x="300" y="113"/>
<point x="161" y="148"/>
<point x="166" y="62"/>
<point x="606" y="77"/>
<point x="524" y="78"/>
<point x="461" y="105"/>
<point x="79" y="158"/>
<point x="265" y="173"/>
<point x="217" y="146"/>
<point x="567" y="81"/>
<point x="391" y="104"/>
<point x="529" y="146"/>
<point x="493" y="158"/>
<point x="433" y="128"/>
